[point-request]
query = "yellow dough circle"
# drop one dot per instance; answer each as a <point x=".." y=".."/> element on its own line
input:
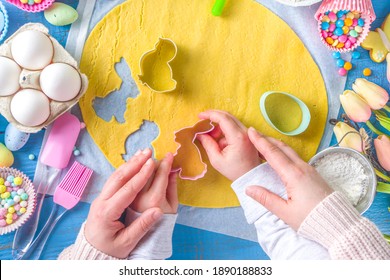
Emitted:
<point x="223" y="63"/>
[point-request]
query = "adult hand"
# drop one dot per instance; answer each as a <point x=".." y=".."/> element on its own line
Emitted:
<point x="305" y="187"/>
<point x="103" y="229"/>
<point x="228" y="147"/>
<point x="160" y="191"/>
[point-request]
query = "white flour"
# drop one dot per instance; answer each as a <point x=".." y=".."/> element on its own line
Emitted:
<point x="344" y="173"/>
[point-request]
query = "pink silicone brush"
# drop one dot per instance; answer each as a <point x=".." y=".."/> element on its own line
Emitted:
<point x="54" y="157"/>
<point x="66" y="196"/>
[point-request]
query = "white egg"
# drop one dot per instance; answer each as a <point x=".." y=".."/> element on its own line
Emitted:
<point x="32" y="49"/>
<point x="30" y="107"/>
<point x="15" y="139"/>
<point x="60" y="82"/>
<point x="9" y="76"/>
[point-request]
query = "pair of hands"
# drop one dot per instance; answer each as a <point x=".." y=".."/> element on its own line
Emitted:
<point x="233" y="150"/>
<point x="148" y="187"/>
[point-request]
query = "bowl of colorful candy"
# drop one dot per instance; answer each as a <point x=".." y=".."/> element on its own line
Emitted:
<point x="32" y="5"/>
<point x="18" y="199"/>
<point x="3" y="21"/>
<point x="343" y="25"/>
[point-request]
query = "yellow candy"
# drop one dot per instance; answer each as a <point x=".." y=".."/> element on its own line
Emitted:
<point x="24" y="1"/>
<point x="350" y="16"/>
<point x="340" y="45"/>
<point x="18" y="181"/>
<point x="5" y="195"/>
<point x="325" y="18"/>
<point x="348" y="65"/>
<point x="358" y="29"/>
<point x="22" y="210"/>
<point x="348" y="21"/>
<point x="2" y="181"/>
<point x="2" y="189"/>
<point x="9" y="216"/>
<point x="367" y="72"/>
<point x="9" y="221"/>
<point x="345" y="29"/>
<point x="11" y="210"/>
<point x="335" y="43"/>
<point x="38" y="1"/>
<point x="329" y="40"/>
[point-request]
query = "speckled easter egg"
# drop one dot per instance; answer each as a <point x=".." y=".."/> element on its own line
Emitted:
<point x="60" y="14"/>
<point x="14" y="138"/>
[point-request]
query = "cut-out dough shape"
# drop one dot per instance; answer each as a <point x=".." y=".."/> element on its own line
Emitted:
<point x="374" y="42"/>
<point x="223" y="63"/>
<point x="196" y="168"/>
<point x="156" y="71"/>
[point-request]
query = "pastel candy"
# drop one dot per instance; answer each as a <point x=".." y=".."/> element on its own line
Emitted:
<point x="60" y="14"/>
<point x="343" y="38"/>
<point x="6" y="157"/>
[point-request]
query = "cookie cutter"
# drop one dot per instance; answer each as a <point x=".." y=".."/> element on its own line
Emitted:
<point x="189" y="150"/>
<point x="153" y="72"/>
<point x="304" y="109"/>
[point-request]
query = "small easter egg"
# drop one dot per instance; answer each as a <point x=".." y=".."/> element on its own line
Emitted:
<point x="355" y="54"/>
<point x="340" y="63"/>
<point x="9" y="76"/>
<point x="30" y="107"/>
<point x="32" y="49"/>
<point x="348" y="66"/>
<point x="342" y="72"/>
<point x="60" y="14"/>
<point x="60" y="82"/>
<point x="6" y="156"/>
<point x="336" y="55"/>
<point x="14" y="138"/>
<point x="367" y="72"/>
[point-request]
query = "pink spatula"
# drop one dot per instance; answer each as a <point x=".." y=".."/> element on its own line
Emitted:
<point x="66" y="196"/>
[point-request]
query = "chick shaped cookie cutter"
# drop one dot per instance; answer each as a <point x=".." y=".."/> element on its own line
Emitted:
<point x="187" y="149"/>
<point x="156" y="71"/>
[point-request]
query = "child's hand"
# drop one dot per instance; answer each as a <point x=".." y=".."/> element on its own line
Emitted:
<point x="103" y="230"/>
<point x="305" y="187"/>
<point x="161" y="190"/>
<point x="228" y="147"/>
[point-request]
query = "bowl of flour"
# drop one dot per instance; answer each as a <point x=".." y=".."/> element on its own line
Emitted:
<point x="349" y="172"/>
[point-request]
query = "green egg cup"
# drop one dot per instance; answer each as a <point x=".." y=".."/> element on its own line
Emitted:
<point x="305" y="113"/>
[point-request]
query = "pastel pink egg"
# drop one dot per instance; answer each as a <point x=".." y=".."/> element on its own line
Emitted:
<point x="348" y="44"/>
<point x="343" y="38"/>
<point x="352" y="39"/>
<point x="342" y="72"/>
<point x="324" y="34"/>
<point x="332" y="27"/>
<point x="332" y="16"/>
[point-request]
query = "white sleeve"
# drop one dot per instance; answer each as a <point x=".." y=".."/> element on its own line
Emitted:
<point x="157" y="243"/>
<point x="278" y="240"/>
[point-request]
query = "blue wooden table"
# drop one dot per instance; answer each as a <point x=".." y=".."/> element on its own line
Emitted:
<point x="188" y="242"/>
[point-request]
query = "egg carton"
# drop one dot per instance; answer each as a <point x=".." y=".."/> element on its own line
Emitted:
<point x="57" y="108"/>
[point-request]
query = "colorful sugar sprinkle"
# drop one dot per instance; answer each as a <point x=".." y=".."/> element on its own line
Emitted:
<point x="13" y="200"/>
<point x="341" y="29"/>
